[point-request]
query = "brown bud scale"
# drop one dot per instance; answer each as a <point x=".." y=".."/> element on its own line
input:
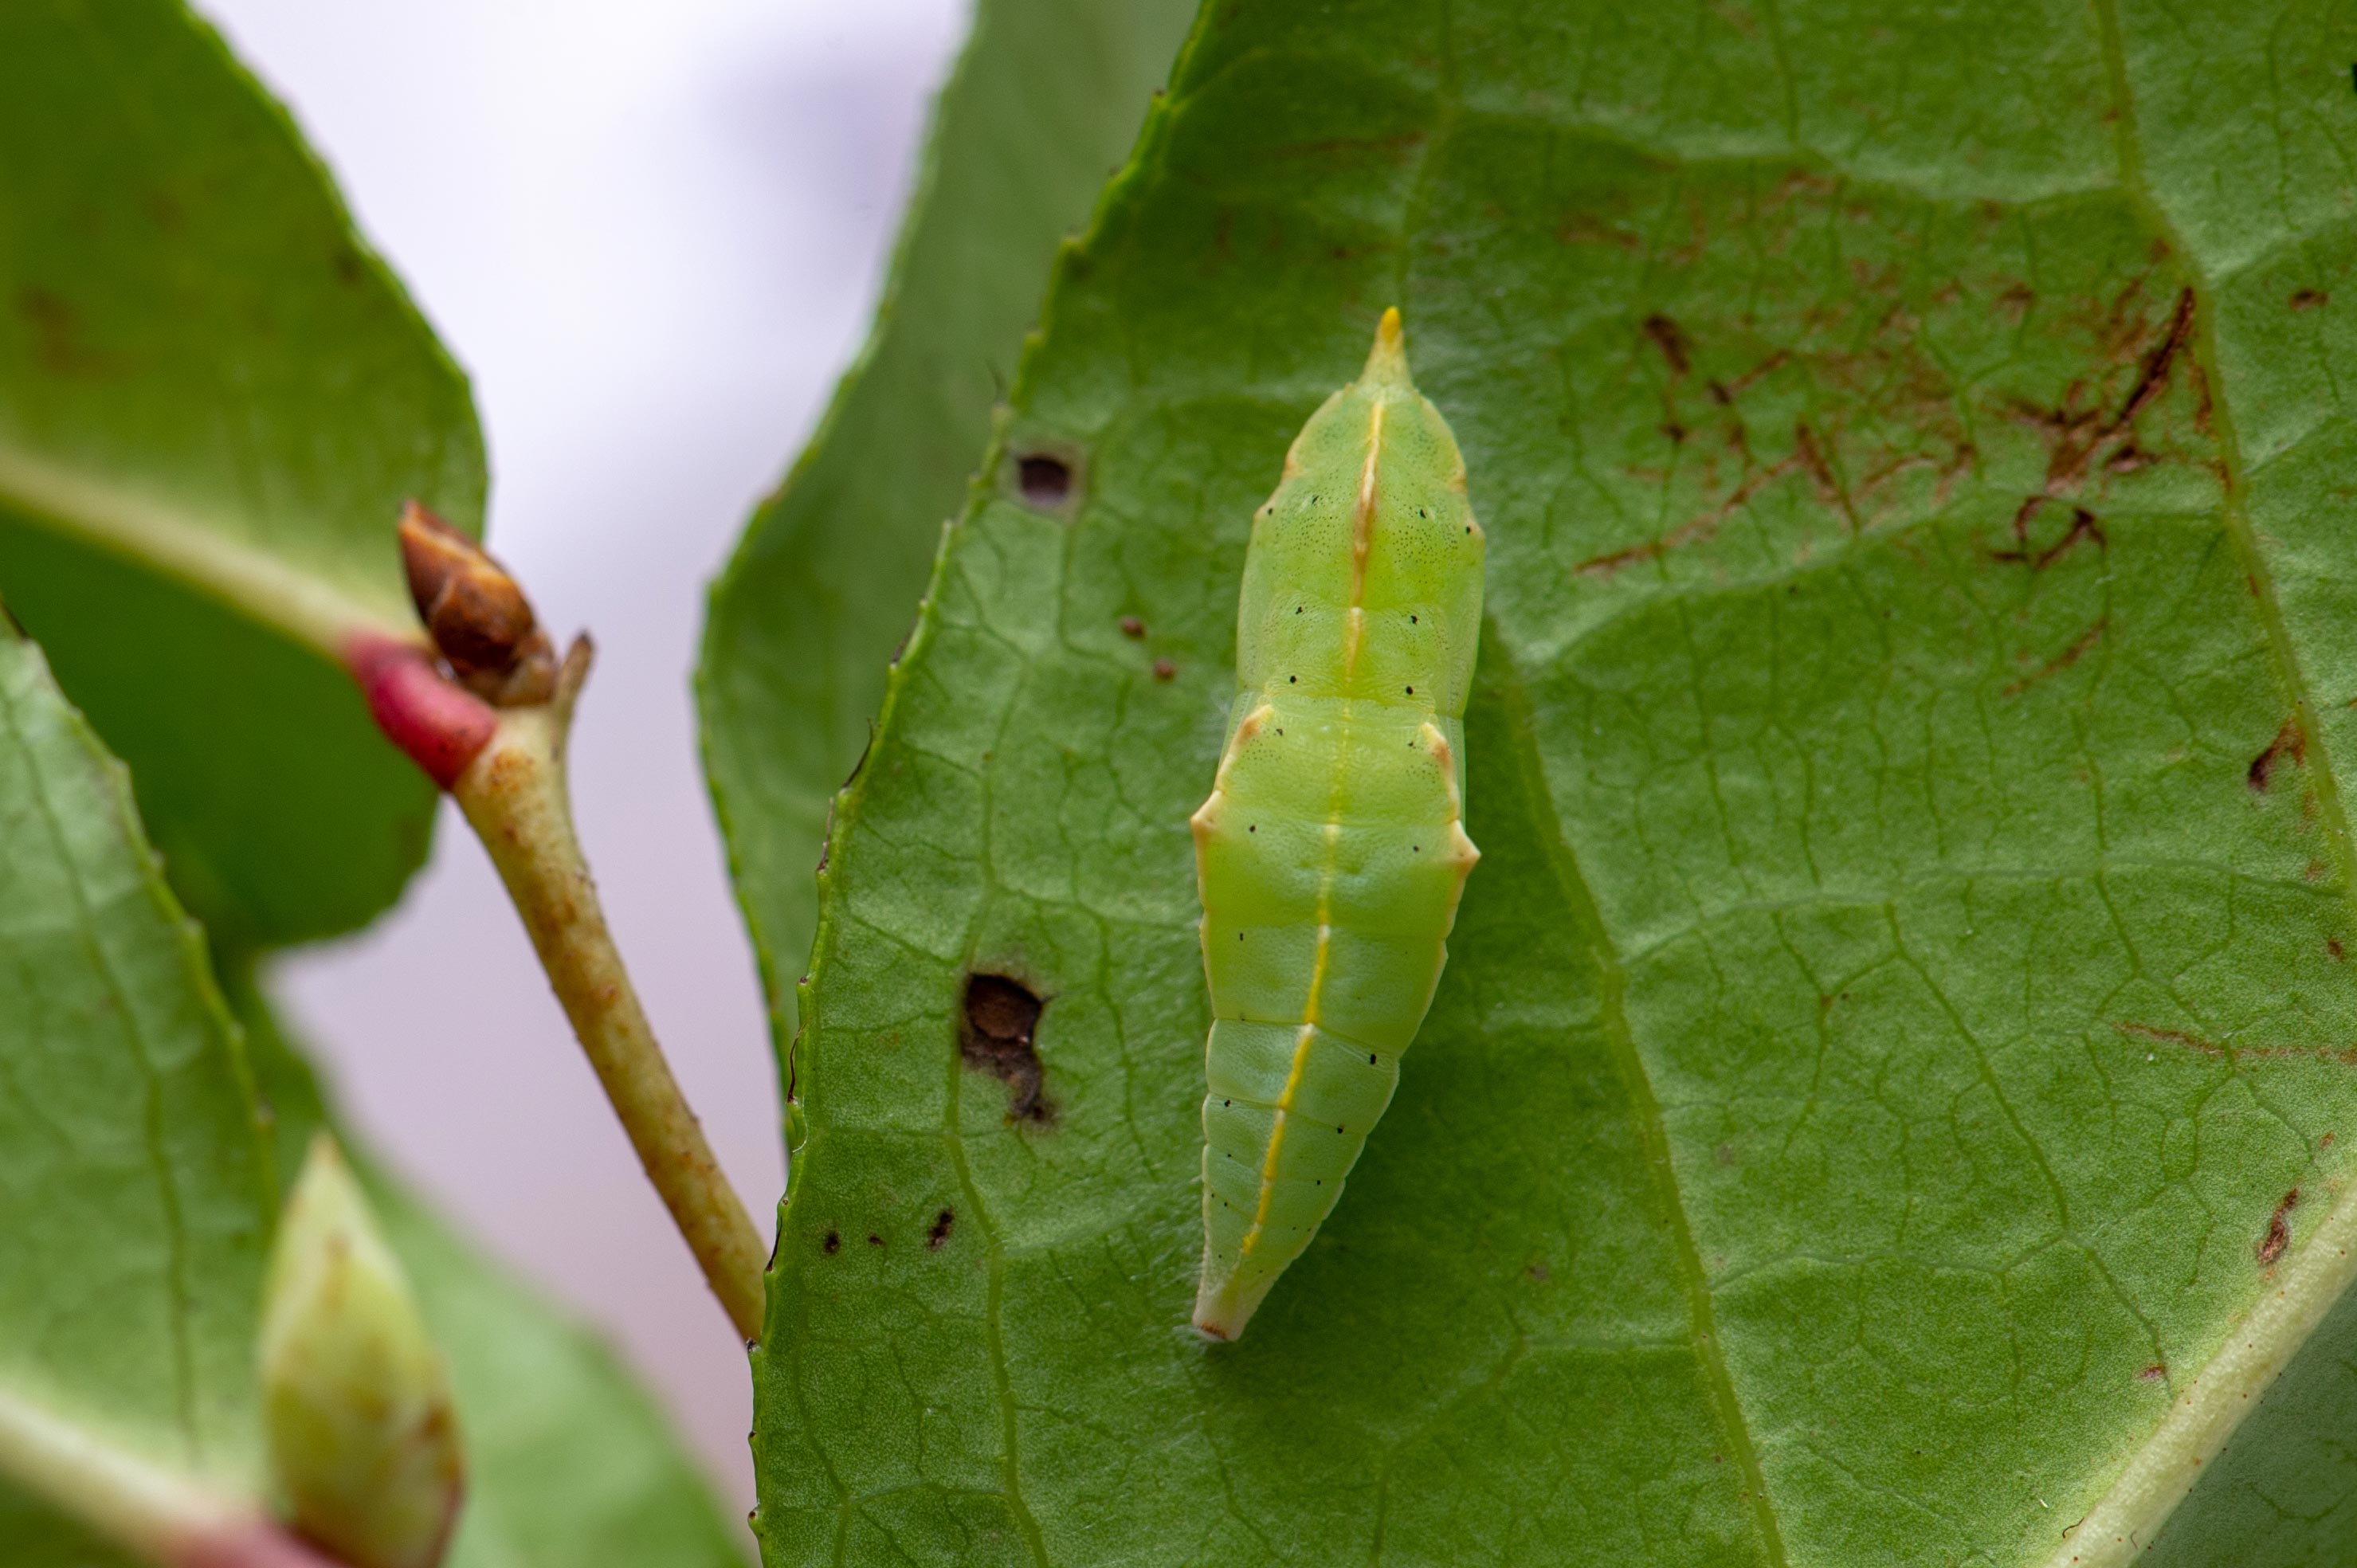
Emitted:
<point x="480" y="622"/>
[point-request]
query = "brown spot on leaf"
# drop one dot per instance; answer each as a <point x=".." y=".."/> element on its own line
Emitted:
<point x="1670" y="339"/>
<point x="2278" y="1234"/>
<point x="2346" y="1056"/>
<point x="2171" y="1036"/>
<point x="2309" y="299"/>
<point x="1133" y="628"/>
<point x="2288" y="742"/>
<point x="2081" y="439"/>
<point x="832" y="1244"/>
<point x="1164" y="670"/>
<point x="58" y="346"/>
<point x="2154" y="375"/>
<point x="1812" y="459"/>
<point x="1583" y="229"/>
<point x="1398" y="143"/>
<point x="2154" y="1373"/>
<point x="1697" y="528"/>
<point x="1724" y="393"/>
<point x="940" y="1231"/>
<point x="2078" y="650"/>
<point x="1044" y="478"/>
<point x="2039" y="557"/>
<point x="1889" y="433"/>
<point x="995" y="1035"/>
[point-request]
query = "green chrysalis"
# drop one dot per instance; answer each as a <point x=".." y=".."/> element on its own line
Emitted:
<point x="1333" y="851"/>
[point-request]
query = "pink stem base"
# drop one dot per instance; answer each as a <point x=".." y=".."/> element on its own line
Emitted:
<point x="437" y="725"/>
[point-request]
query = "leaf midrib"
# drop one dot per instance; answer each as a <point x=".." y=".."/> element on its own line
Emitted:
<point x="184" y="1393"/>
<point x="265" y="588"/>
<point x="1645" y="1110"/>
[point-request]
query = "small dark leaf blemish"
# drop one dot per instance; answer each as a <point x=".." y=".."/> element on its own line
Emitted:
<point x="995" y="1035"/>
<point x="1045" y="480"/>
<point x="2278" y="1233"/>
<point x="2288" y="742"/>
<point x="1670" y="339"/>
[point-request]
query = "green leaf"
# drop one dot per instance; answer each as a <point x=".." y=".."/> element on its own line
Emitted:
<point x="1907" y="973"/>
<point x="1044" y="100"/>
<point x="570" y="1461"/>
<point x="134" y="1186"/>
<point x="138" y="1185"/>
<point x="213" y="399"/>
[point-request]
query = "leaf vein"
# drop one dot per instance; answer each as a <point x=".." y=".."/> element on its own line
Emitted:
<point x="1645" y="1107"/>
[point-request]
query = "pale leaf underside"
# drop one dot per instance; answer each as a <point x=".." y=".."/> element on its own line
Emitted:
<point x="213" y="401"/>
<point x="1906" y="980"/>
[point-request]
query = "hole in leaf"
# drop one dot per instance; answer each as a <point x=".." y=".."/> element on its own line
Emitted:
<point x="995" y="1035"/>
<point x="1045" y="480"/>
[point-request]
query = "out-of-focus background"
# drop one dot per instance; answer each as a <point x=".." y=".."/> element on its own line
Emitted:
<point x="652" y="233"/>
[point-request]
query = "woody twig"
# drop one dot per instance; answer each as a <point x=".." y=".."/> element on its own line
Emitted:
<point x="485" y="709"/>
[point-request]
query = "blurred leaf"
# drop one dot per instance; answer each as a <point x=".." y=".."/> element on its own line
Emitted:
<point x="1907" y="973"/>
<point x="1042" y="104"/>
<point x="137" y="1186"/>
<point x="213" y="401"/>
<point x="568" y="1461"/>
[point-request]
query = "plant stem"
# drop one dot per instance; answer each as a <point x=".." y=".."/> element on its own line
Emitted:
<point x="485" y="709"/>
<point x="166" y="1518"/>
<point x="515" y="796"/>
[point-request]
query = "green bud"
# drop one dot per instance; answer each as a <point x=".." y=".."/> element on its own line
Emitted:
<point x="363" y="1443"/>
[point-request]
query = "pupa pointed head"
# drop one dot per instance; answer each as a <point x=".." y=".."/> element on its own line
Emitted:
<point x="1387" y="361"/>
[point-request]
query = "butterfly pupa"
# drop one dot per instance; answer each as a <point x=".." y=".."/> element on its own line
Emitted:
<point x="1332" y="852"/>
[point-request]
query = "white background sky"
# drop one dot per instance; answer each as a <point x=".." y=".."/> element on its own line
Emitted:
<point x="652" y="233"/>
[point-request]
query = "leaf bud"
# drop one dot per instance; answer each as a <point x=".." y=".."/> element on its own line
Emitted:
<point x="356" y="1403"/>
<point x="479" y="621"/>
